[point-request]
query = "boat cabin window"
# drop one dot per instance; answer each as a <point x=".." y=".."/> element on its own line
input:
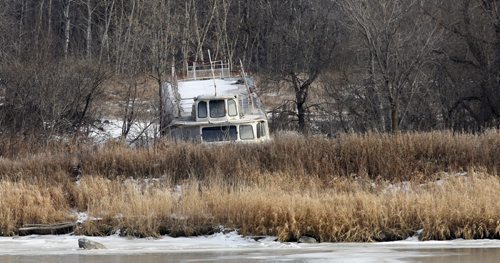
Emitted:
<point x="217" y="108"/>
<point x="246" y="132"/>
<point x="219" y="134"/>
<point x="261" y="129"/>
<point x="231" y="108"/>
<point x="202" y="109"/>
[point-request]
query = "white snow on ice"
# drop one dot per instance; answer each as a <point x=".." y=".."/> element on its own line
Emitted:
<point x="232" y="246"/>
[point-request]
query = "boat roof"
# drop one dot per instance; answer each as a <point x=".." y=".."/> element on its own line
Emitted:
<point x="189" y="90"/>
<point x="212" y="97"/>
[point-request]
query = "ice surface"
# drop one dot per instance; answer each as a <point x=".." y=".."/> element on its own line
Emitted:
<point x="223" y="243"/>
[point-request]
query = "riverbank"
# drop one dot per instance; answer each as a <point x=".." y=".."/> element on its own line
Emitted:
<point x="440" y="185"/>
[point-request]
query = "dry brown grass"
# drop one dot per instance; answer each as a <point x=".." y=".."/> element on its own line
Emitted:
<point x="387" y="156"/>
<point x="24" y="203"/>
<point x="353" y="188"/>
<point x="346" y="210"/>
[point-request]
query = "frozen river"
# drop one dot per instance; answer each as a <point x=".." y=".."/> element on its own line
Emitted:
<point x="235" y="248"/>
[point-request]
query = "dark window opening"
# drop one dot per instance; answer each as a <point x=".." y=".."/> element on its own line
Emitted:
<point x="231" y="108"/>
<point x="219" y="134"/>
<point x="261" y="129"/>
<point x="202" y="109"/>
<point x="217" y="108"/>
<point x="246" y="132"/>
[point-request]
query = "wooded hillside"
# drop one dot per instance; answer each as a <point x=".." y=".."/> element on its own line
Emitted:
<point x="384" y="65"/>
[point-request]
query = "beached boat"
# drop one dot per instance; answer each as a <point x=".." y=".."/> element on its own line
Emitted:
<point x="213" y="104"/>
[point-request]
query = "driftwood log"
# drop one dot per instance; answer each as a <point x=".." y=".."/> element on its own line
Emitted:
<point x="47" y="229"/>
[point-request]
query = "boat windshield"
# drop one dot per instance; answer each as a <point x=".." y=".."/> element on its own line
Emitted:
<point x="231" y="106"/>
<point x="217" y="108"/>
<point x="202" y="109"/>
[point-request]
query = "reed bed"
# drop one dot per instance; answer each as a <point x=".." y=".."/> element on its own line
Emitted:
<point x="389" y="156"/>
<point x="347" y="210"/>
<point x="369" y="187"/>
<point x="25" y="203"/>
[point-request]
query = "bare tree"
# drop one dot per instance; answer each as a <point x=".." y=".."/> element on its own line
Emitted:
<point x="471" y="63"/>
<point x="398" y="42"/>
<point x="46" y="98"/>
<point x="67" y="26"/>
<point x="302" y="42"/>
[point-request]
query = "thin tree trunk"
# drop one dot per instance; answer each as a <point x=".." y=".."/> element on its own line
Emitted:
<point x="127" y="36"/>
<point x="395" y="116"/>
<point x="301" y="113"/>
<point x="67" y="27"/>
<point x="104" y="41"/>
<point x="301" y="92"/>
<point x="160" y="98"/>
<point x="185" y="36"/>
<point x="89" y="28"/>
<point x="49" y="25"/>
<point x="20" y="29"/>
<point x="39" y="27"/>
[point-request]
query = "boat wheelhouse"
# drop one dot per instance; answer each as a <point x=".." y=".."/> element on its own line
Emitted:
<point x="214" y="105"/>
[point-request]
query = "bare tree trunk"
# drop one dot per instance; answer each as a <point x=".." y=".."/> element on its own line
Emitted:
<point x="67" y="27"/>
<point x="89" y="29"/>
<point x="39" y="26"/>
<point x="20" y="30"/>
<point x="301" y="88"/>
<point x="128" y="35"/>
<point x="108" y="14"/>
<point x="185" y="35"/>
<point x="130" y="110"/>
<point x="394" y="105"/>
<point x="49" y="25"/>
<point x="202" y="36"/>
<point x="395" y="116"/>
<point x="301" y="111"/>
<point x="380" y="106"/>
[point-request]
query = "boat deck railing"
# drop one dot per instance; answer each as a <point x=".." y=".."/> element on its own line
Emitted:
<point x="206" y="70"/>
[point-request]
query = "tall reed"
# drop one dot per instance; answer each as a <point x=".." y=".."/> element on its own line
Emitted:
<point x="346" y="210"/>
<point x="389" y="156"/>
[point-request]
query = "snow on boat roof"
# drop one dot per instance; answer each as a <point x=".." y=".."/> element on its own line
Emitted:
<point x="189" y="89"/>
<point x="194" y="88"/>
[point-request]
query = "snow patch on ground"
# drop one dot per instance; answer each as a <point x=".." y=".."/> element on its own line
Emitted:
<point x="112" y="129"/>
<point x="82" y="217"/>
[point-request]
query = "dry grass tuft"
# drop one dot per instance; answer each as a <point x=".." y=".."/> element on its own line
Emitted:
<point x="24" y="203"/>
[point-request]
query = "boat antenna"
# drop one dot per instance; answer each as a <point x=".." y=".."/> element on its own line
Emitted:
<point x="213" y="74"/>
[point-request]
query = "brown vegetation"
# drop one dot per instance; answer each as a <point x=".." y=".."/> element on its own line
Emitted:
<point x="345" y="210"/>
<point x="353" y="188"/>
<point x="391" y="157"/>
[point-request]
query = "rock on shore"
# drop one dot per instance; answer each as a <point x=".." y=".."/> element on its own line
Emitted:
<point x="89" y="244"/>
